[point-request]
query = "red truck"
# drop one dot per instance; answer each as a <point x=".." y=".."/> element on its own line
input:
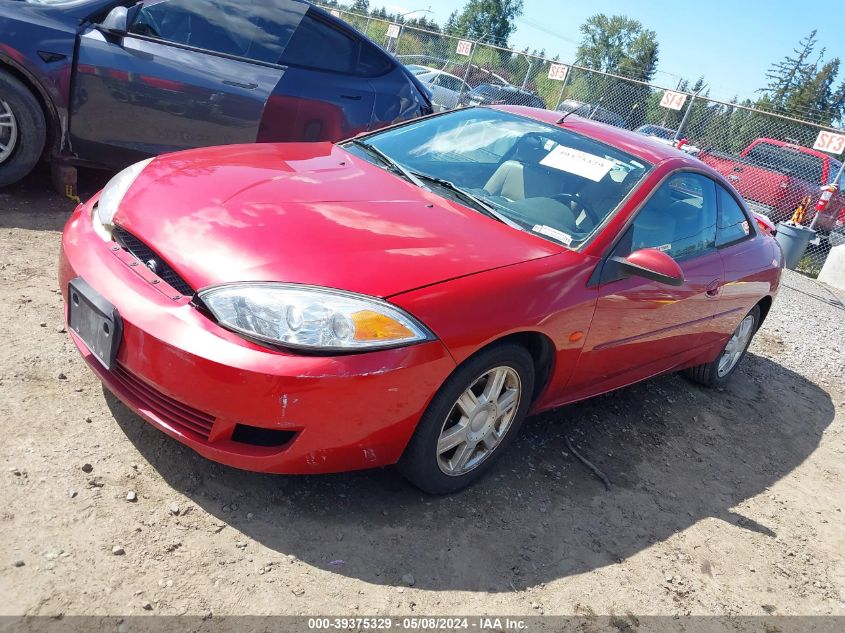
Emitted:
<point x="774" y="176"/>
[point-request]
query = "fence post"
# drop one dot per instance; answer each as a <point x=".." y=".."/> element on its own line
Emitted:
<point x="367" y="26"/>
<point x="596" y="107"/>
<point x="466" y="72"/>
<point x="528" y="72"/>
<point x="396" y="43"/>
<point x="686" y="115"/>
<point x="563" y="87"/>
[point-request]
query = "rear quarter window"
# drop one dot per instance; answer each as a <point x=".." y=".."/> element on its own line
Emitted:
<point x="733" y="224"/>
<point x="320" y="45"/>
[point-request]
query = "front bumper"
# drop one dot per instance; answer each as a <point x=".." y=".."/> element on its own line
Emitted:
<point x="197" y="382"/>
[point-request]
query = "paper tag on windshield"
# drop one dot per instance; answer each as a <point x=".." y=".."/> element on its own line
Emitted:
<point x="577" y="162"/>
<point x="560" y="236"/>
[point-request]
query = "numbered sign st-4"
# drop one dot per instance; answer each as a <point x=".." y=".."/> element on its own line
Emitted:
<point x="673" y="100"/>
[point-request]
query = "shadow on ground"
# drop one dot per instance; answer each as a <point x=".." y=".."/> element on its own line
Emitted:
<point x="33" y="204"/>
<point x="675" y="453"/>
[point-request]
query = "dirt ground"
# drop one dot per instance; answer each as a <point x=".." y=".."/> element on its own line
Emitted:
<point x="722" y="502"/>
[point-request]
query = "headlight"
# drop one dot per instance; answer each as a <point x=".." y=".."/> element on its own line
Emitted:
<point x="309" y="317"/>
<point x="112" y="196"/>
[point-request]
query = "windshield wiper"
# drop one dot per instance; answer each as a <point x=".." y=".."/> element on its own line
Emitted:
<point x="388" y="161"/>
<point x="474" y="200"/>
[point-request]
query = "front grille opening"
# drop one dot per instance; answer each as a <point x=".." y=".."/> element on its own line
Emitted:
<point x="258" y="436"/>
<point x="187" y="420"/>
<point x="152" y="260"/>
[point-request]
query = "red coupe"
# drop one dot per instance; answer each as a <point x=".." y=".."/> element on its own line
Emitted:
<point x="409" y="296"/>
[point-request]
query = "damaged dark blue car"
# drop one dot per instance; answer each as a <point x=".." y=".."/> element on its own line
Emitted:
<point x="109" y="82"/>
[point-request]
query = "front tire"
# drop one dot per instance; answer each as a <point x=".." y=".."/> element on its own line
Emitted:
<point x="719" y="371"/>
<point x="23" y="130"/>
<point x="474" y="417"/>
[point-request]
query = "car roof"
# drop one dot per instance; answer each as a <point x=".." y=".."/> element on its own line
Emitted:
<point x="515" y="89"/>
<point x="653" y="126"/>
<point x="635" y="144"/>
<point x="434" y="71"/>
<point x="792" y="146"/>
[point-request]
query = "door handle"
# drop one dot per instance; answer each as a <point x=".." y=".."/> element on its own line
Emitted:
<point x="237" y="84"/>
<point x="713" y="287"/>
<point x="351" y="97"/>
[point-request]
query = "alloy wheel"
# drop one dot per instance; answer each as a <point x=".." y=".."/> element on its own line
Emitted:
<point x="479" y="421"/>
<point x="8" y="131"/>
<point x="736" y="346"/>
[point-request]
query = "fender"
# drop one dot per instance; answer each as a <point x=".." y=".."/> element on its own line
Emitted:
<point x="57" y="118"/>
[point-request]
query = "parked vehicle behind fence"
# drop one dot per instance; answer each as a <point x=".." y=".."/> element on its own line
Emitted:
<point x="775" y="176"/>
<point x="446" y="88"/>
<point x="667" y="136"/>
<point x="592" y="111"/>
<point x="110" y="82"/>
<point x="487" y="94"/>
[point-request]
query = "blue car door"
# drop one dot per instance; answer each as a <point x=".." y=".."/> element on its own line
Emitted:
<point x="326" y="92"/>
<point x="187" y="74"/>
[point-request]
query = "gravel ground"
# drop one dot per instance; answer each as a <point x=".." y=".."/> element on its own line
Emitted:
<point x="723" y="502"/>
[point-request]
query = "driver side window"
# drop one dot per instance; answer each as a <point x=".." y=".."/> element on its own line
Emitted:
<point x="679" y="218"/>
<point x="242" y="28"/>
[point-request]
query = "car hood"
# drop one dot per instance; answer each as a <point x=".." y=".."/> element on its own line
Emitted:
<point x="313" y="214"/>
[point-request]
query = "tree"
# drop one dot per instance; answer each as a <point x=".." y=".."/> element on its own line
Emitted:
<point x="451" y="26"/>
<point x="618" y="45"/>
<point x="360" y="6"/>
<point x="785" y="76"/>
<point x="487" y="20"/>
<point x="803" y="86"/>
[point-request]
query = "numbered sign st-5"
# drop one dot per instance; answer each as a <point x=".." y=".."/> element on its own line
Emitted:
<point x="558" y="71"/>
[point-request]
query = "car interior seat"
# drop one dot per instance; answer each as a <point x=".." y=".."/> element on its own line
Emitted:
<point x="522" y="176"/>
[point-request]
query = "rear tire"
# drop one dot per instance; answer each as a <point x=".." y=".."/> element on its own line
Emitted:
<point x="719" y="371"/>
<point x="474" y="417"/>
<point x="23" y="130"/>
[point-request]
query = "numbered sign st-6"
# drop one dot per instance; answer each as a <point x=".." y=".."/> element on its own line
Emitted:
<point x="830" y="142"/>
<point x="393" y="31"/>
<point x="464" y="47"/>
<point x="558" y="72"/>
<point x="673" y="100"/>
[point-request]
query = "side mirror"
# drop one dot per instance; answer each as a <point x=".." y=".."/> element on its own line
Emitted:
<point x="116" y="22"/>
<point x="653" y="264"/>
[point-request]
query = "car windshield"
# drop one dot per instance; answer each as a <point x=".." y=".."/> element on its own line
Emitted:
<point x="786" y="160"/>
<point x="537" y="177"/>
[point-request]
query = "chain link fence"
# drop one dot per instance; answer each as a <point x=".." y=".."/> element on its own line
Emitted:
<point x="769" y="158"/>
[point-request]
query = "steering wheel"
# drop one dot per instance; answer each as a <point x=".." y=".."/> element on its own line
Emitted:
<point x="575" y="204"/>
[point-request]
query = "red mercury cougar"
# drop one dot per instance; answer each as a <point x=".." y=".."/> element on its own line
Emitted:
<point x="409" y="296"/>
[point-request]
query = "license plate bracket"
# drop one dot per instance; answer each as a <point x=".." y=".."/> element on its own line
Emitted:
<point x="94" y="320"/>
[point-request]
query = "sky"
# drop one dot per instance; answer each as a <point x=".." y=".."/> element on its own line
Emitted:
<point x="731" y="42"/>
